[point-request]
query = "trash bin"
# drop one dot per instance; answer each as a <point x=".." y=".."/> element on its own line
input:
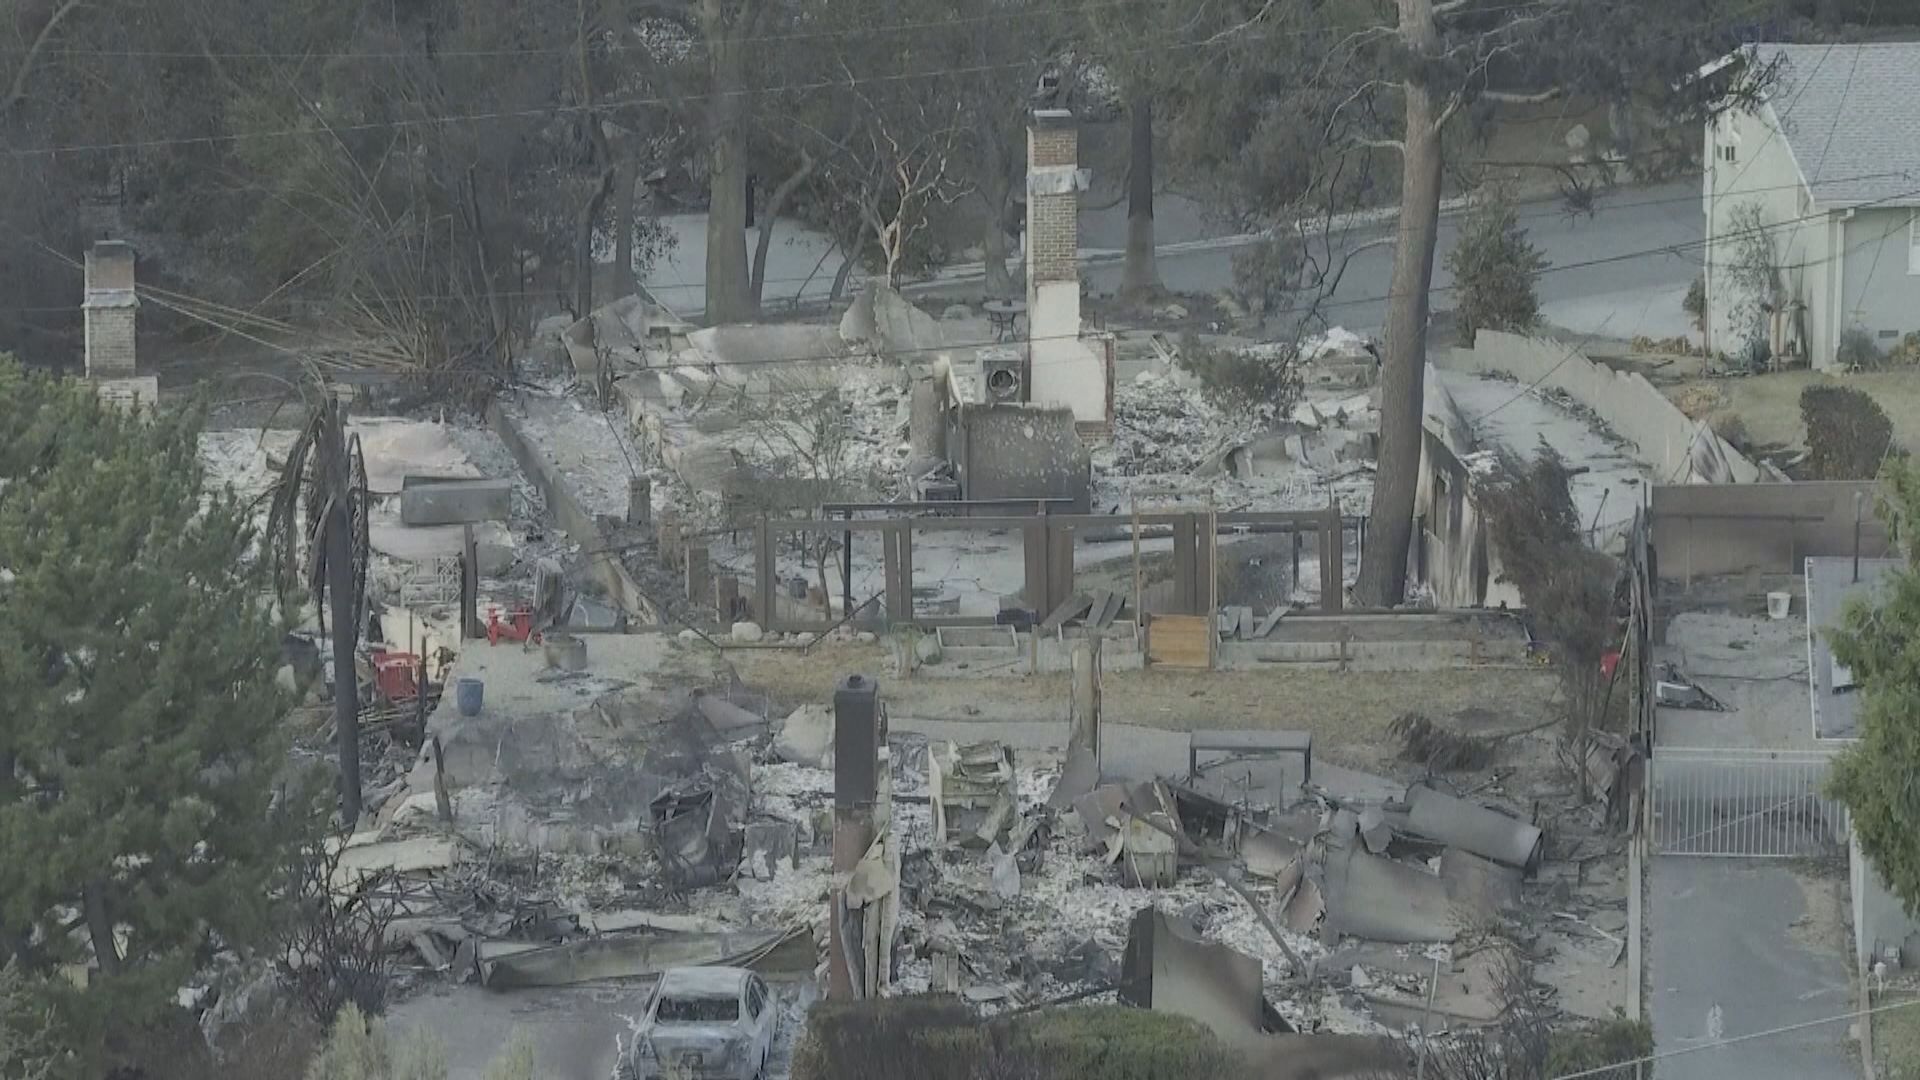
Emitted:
<point x="467" y="696"/>
<point x="1779" y="605"/>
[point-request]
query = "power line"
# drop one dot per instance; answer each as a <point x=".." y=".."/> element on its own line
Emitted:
<point x="772" y="362"/>
<point x="611" y="103"/>
<point x="1225" y="242"/>
<point x="1785" y="1029"/>
<point x="331" y="130"/>
<point x="570" y="50"/>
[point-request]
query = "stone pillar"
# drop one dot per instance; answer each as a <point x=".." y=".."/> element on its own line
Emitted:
<point x="640" y="500"/>
<point x="927" y="421"/>
<point x="699" y="580"/>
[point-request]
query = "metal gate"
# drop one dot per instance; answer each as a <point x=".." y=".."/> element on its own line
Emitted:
<point x="1750" y="804"/>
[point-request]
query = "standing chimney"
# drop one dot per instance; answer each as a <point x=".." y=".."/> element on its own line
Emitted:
<point x="1053" y="223"/>
<point x="110" y="307"/>
<point x="1062" y="371"/>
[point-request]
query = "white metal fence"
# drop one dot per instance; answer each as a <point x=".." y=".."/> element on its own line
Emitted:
<point x="431" y="582"/>
<point x="1752" y="804"/>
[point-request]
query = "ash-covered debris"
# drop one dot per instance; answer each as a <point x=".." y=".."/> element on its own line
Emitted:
<point x="1169" y="432"/>
<point x="1336" y="901"/>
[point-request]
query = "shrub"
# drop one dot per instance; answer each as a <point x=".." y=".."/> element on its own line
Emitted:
<point x="1695" y="304"/>
<point x="1609" y="1041"/>
<point x="1493" y="265"/>
<point x="1730" y="426"/>
<point x="1117" y="1043"/>
<point x="938" y="1038"/>
<point x="1265" y="274"/>
<point x="1857" y="349"/>
<point x="1261" y="380"/>
<point x="1535" y="530"/>
<point x="1848" y="434"/>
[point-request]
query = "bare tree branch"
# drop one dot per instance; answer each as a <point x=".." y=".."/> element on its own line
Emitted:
<point x="18" y="90"/>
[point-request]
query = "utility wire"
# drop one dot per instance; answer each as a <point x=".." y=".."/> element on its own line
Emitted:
<point x="167" y="299"/>
<point x="689" y="43"/>
<point x="1226" y="243"/>
<point x="1785" y="1029"/>
<point x="333" y="130"/>
<point x="1668" y="249"/>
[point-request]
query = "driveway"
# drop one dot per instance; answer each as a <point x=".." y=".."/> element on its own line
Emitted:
<point x="1743" y="946"/>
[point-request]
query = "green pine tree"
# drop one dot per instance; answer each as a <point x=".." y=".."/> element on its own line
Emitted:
<point x="1880" y="642"/>
<point x="140" y="731"/>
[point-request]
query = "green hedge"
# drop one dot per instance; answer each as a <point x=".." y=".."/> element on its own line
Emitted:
<point x="938" y="1038"/>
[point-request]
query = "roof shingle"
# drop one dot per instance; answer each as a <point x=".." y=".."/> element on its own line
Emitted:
<point x="1851" y="115"/>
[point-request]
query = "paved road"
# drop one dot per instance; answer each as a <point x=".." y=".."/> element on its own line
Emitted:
<point x="1618" y="299"/>
<point x="1736" y="951"/>
<point x="1639" y="295"/>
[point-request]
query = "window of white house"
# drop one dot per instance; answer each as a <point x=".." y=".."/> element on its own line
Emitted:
<point x="1729" y="152"/>
<point x="1913" y="241"/>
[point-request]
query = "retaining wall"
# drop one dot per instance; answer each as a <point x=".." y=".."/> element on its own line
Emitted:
<point x="1701" y="531"/>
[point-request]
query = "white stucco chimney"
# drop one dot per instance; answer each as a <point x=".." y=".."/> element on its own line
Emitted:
<point x="1062" y="369"/>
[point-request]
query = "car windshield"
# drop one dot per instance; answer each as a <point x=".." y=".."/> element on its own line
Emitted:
<point x="698" y="1010"/>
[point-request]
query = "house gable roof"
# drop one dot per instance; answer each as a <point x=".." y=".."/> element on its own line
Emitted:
<point x="1851" y="116"/>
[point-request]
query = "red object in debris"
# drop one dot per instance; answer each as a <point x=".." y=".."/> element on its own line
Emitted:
<point x="518" y="628"/>
<point x="396" y="675"/>
<point x="1608" y="661"/>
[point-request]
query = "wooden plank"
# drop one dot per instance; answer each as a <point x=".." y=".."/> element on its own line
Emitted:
<point x="1106" y="608"/>
<point x="1073" y="607"/>
<point x="1180" y="641"/>
<point x="1272" y="620"/>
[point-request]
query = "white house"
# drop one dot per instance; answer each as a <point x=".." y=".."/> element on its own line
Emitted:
<point x="1829" y="165"/>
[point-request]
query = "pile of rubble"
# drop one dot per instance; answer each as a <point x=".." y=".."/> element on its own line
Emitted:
<point x="1168" y="435"/>
<point x="1006" y="879"/>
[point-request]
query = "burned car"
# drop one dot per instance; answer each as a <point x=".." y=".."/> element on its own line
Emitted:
<point x="704" y="1023"/>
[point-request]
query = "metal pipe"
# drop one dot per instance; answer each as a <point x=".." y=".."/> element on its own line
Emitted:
<point x="1426" y="1023"/>
<point x="846" y="568"/>
<point x="1859" y="499"/>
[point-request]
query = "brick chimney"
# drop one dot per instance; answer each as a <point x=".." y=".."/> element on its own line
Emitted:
<point x="1063" y="371"/>
<point x="110" y="309"/>
<point x="1053" y="219"/>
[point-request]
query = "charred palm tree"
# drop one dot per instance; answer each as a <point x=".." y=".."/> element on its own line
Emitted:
<point x="326" y="473"/>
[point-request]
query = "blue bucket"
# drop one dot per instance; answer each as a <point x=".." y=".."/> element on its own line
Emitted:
<point x="467" y="695"/>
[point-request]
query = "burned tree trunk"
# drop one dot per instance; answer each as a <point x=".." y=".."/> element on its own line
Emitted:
<point x="346" y="695"/>
<point x="1383" y="573"/>
<point x="106" y="949"/>
<point x="583" y="243"/>
<point x="625" y="179"/>
<point x="1139" y="277"/>
<point x="775" y="206"/>
<point x="729" y="288"/>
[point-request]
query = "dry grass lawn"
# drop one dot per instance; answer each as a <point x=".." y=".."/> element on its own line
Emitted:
<point x="1769" y="405"/>
<point x="1342" y="710"/>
